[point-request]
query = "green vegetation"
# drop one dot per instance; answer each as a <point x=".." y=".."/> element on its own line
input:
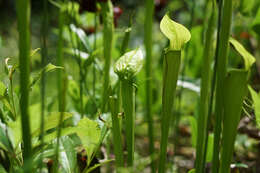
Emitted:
<point x="129" y="86"/>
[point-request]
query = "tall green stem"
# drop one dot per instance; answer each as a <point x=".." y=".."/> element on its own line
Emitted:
<point x="235" y="92"/>
<point x="148" y="68"/>
<point x="171" y="67"/>
<point x="23" y="14"/>
<point x="43" y="61"/>
<point x="205" y="92"/>
<point x="221" y="73"/>
<point x="128" y="101"/>
<point x="108" y="30"/>
<point x="116" y="133"/>
<point x="60" y="59"/>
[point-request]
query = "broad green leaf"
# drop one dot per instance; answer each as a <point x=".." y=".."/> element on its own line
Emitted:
<point x="175" y="32"/>
<point x="51" y="121"/>
<point x="248" y="58"/>
<point x="65" y="131"/>
<point x="256" y="100"/>
<point x="128" y="65"/>
<point x="48" y="68"/>
<point x="89" y="133"/>
<point x="67" y="159"/>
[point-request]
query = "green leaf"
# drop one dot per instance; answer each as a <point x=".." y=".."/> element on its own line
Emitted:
<point x="2" y="89"/>
<point x="34" y="51"/>
<point x="83" y="37"/>
<point x="128" y="65"/>
<point x="97" y="165"/>
<point x="89" y="134"/>
<point x="234" y="94"/>
<point x="248" y="58"/>
<point x="4" y="140"/>
<point x="51" y="121"/>
<point x="175" y="32"/>
<point x="2" y="169"/>
<point x="68" y="159"/>
<point x="256" y="22"/>
<point x="48" y="68"/>
<point x="193" y="125"/>
<point x="256" y="100"/>
<point x="192" y="171"/>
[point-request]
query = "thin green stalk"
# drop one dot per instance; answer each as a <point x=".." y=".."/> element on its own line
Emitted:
<point x="116" y="130"/>
<point x="12" y="95"/>
<point x="43" y="61"/>
<point x="108" y="30"/>
<point x="148" y="26"/>
<point x="205" y="92"/>
<point x="94" y="63"/>
<point x="59" y="129"/>
<point x="60" y="58"/>
<point x="126" y="36"/>
<point x="221" y="73"/>
<point x="214" y="77"/>
<point x="171" y="65"/>
<point x="23" y="14"/>
<point x="128" y="100"/>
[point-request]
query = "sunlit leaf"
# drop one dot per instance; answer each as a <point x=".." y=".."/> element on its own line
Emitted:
<point x="51" y="121"/>
<point x="248" y="58"/>
<point x="68" y="159"/>
<point x="256" y="100"/>
<point x="89" y="134"/>
<point x="129" y="64"/>
<point x="33" y="52"/>
<point x="175" y="32"/>
<point x="82" y="36"/>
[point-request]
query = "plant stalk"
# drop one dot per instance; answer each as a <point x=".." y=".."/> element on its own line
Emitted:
<point x="205" y="92"/>
<point x="23" y="14"/>
<point x="148" y="69"/>
<point x="226" y="15"/>
<point x="171" y="65"/>
<point x="108" y="30"/>
<point x="116" y="133"/>
<point x="128" y="101"/>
